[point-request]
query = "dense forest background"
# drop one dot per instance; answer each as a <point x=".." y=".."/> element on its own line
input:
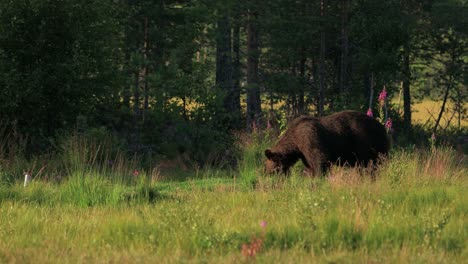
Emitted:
<point x="167" y="78"/>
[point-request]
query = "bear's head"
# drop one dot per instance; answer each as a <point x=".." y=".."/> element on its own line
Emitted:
<point x="275" y="163"/>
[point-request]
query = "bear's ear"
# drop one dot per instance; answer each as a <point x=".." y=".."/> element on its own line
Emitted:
<point x="269" y="154"/>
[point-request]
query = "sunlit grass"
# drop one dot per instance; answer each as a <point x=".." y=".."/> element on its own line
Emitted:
<point x="415" y="210"/>
<point x="428" y="110"/>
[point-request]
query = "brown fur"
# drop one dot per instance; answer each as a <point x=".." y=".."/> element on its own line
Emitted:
<point x="347" y="137"/>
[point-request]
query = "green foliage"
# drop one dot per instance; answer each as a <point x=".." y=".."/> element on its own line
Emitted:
<point x="422" y="216"/>
<point x="253" y="153"/>
<point x="57" y="60"/>
<point x="146" y="72"/>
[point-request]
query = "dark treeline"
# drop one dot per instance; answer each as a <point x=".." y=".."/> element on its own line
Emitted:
<point x="170" y="77"/>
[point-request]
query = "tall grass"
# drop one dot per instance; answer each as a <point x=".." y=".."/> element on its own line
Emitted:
<point x="413" y="210"/>
<point x="79" y="171"/>
<point x="253" y="147"/>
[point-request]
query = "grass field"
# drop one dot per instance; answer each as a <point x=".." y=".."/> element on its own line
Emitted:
<point x="415" y="211"/>
<point x="428" y="110"/>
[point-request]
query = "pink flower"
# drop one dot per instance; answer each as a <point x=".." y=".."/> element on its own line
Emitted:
<point x="433" y="137"/>
<point x="263" y="224"/>
<point x="369" y="113"/>
<point x="389" y="123"/>
<point x="383" y="95"/>
<point x="136" y="173"/>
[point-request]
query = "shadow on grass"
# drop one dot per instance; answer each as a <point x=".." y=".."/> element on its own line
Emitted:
<point x="82" y="196"/>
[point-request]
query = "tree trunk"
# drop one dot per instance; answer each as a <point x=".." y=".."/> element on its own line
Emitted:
<point x="321" y="96"/>
<point x="136" y="94"/>
<point x="145" y="72"/>
<point x="184" y="106"/>
<point x="459" y="106"/>
<point x="253" y="92"/>
<point x="313" y="82"/>
<point x="224" y="61"/>
<point x="302" y="68"/>
<point x="406" y="89"/>
<point x="371" y="89"/>
<point x="236" y="70"/>
<point x="344" y="47"/>
<point x="292" y="98"/>
<point x="127" y="87"/>
<point x="442" y="109"/>
<point x="450" y="82"/>
<point x="145" y="90"/>
<point x="301" y="99"/>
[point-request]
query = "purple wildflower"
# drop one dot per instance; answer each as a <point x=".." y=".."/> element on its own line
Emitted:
<point x="369" y="113"/>
<point x="383" y="95"/>
<point x="136" y="173"/>
<point x="263" y="224"/>
<point x="433" y="137"/>
<point x="389" y="124"/>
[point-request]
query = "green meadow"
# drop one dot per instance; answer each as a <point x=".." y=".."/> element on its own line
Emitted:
<point x="135" y="131"/>
<point x="415" y="210"/>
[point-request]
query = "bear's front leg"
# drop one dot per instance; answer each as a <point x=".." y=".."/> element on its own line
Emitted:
<point x="312" y="160"/>
<point x="309" y="172"/>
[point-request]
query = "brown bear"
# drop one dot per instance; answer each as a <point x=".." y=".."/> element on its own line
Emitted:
<point x="345" y="138"/>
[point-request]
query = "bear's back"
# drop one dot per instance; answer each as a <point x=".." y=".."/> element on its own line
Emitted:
<point x="355" y="133"/>
<point x="346" y="129"/>
<point x="352" y="122"/>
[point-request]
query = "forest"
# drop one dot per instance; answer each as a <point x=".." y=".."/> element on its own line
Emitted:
<point x="135" y="130"/>
<point x="169" y="78"/>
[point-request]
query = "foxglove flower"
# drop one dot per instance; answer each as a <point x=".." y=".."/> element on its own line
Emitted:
<point x="388" y="124"/>
<point x="383" y="95"/>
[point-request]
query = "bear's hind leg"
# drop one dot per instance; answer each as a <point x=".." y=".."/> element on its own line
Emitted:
<point x="325" y="167"/>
